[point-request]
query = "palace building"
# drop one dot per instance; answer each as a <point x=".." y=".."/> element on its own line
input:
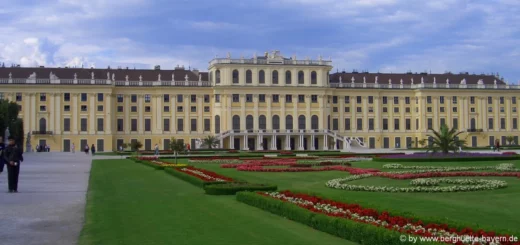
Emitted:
<point x="266" y="102"/>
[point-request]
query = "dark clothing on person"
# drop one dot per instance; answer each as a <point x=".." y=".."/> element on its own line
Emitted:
<point x="13" y="154"/>
<point x="93" y="150"/>
<point x="2" y="162"/>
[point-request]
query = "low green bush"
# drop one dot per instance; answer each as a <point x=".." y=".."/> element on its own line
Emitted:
<point x="232" y="188"/>
<point x="354" y="231"/>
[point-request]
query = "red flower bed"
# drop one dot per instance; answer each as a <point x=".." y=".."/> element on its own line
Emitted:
<point x="257" y="168"/>
<point x="445" y="174"/>
<point x="203" y="174"/>
<point x="147" y="158"/>
<point x="383" y="219"/>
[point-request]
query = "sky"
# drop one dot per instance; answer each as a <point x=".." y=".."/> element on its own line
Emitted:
<point x="475" y="36"/>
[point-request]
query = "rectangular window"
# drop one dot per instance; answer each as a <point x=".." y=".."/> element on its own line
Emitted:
<point x="249" y="98"/>
<point x="428" y="99"/>
<point x="66" y="108"/>
<point x="133" y="108"/>
<point x="288" y="98"/>
<point x="396" y="124"/>
<point x="513" y="100"/>
<point x="43" y="108"/>
<point x="314" y="98"/>
<point x="66" y="97"/>
<point x="430" y="123"/>
<point x="455" y="109"/>
<point x="371" y="99"/>
<point x="358" y="99"/>
<point x="359" y="124"/>
<point x="120" y="98"/>
<point x="147" y="98"/>
<point x="371" y="124"/>
<point x="133" y="125"/>
<point x="385" y="109"/>
<point x="334" y="99"/>
<point x="443" y="121"/>
<point x="180" y="124"/>
<point x="347" y="123"/>
<point x="335" y="109"/>
<point x="180" y="109"/>
<point x="193" y="127"/>
<point x="206" y="98"/>
<point x="408" y="123"/>
<point x="18" y="97"/>
<point x="236" y="98"/>
<point x="147" y="124"/>
<point x="193" y="98"/>
<point x="100" y="97"/>
<point x="407" y="109"/>
<point x="490" y="109"/>
<point x="502" y="123"/>
<point x="347" y="109"/>
<point x="83" y="97"/>
<point x="502" y="100"/>
<point x="166" y="108"/>
<point x="120" y="108"/>
<point x="417" y="124"/>
<point x="83" y="108"/>
<point x="490" y="100"/>
<point x="301" y="98"/>
<point x="385" y="100"/>
<point x="359" y="109"/>
<point x="441" y="99"/>
<point x="334" y="124"/>
<point x="206" y="108"/>
<point x="490" y="123"/>
<point x="207" y="125"/>
<point x="407" y="100"/>
<point x="166" y="124"/>
<point x="429" y="109"/>
<point x="385" y="124"/>
<point x="217" y="98"/>
<point x="66" y="124"/>
<point x="442" y="109"/>
<point x="83" y="125"/>
<point x="472" y="100"/>
<point x="454" y="99"/>
<point x="396" y="100"/>
<point x="515" y="123"/>
<point x="276" y="98"/>
<point x="261" y="98"/>
<point x="347" y="100"/>
<point x="456" y="123"/>
<point x="396" y="109"/>
<point x="502" y="109"/>
<point x="120" y="125"/>
<point x="180" y="98"/>
<point x="133" y="98"/>
<point x="193" y="109"/>
<point x="99" y="108"/>
<point x="43" y="97"/>
<point x="100" y="125"/>
<point x="166" y="98"/>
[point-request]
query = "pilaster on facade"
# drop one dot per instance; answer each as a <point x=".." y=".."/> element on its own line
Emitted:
<point x="51" y="111"/>
<point x="308" y="115"/>
<point x="282" y="111"/>
<point x="242" y="111"/>
<point x="269" y="116"/>
<point x="200" y="111"/>
<point x="255" y="112"/>
<point x="187" y="121"/>
<point x="108" y="113"/>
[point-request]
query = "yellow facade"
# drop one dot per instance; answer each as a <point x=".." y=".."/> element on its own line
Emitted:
<point x="241" y="106"/>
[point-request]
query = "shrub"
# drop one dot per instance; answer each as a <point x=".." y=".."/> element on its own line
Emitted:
<point x="234" y="187"/>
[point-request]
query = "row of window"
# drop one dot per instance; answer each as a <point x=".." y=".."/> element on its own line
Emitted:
<point x="165" y="109"/>
<point x="274" y="77"/>
<point x="166" y="98"/>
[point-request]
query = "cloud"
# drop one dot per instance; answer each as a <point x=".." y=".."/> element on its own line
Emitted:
<point x="213" y="26"/>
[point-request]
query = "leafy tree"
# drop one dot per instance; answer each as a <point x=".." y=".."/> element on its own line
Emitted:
<point x="445" y="140"/>
<point x="177" y="146"/>
<point x="210" y="142"/>
<point x="136" y="145"/>
<point x="510" y="139"/>
<point x="124" y="145"/>
<point x="9" y="118"/>
<point x="422" y="142"/>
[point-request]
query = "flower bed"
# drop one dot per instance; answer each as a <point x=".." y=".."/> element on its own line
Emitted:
<point x="234" y="187"/>
<point x="403" y="176"/>
<point x="423" y="169"/>
<point x="432" y="157"/>
<point x="216" y="161"/>
<point x="351" y="170"/>
<point x="156" y="163"/>
<point x="204" y="175"/>
<point x="356" y="223"/>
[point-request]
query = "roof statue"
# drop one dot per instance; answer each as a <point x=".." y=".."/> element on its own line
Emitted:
<point x="53" y="76"/>
<point x="447" y="80"/>
<point x="353" y="79"/>
<point x="10" y="75"/>
<point x="108" y="75"/>
<point x="159" y="77"/>
<point x="340" y="79"/>
<point x="173" y="77"/>
<point x="254" y="56"/>
<point x="495" y="82"/>
<point x="75" y="76"/>
<point x="364" y="80"/>
<point x="200" y="77"/>
<point x="389" y="81"/>
<point x="376" y="79"/>
<point x="228" y="55"/>
<point x="92" y="75"/>
<point x="320" y="58"/>
<point x="113" y="76"/>
<point x="422" y="79"/>
<point x="401" y="81"/>
<point x="140" y="78"/>
<point x="461" y="82"/>
<point x="186" y="78"/>
<point x="126" y="77"/>
<point x="33" y="75"/>
<point x="412" y="80"/>
<point x="480" y="82"/>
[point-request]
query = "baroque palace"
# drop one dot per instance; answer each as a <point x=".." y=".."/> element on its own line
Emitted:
<point x="267" y="102"/>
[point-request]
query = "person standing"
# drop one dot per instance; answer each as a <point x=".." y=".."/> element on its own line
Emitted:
<point x="156" y="150"/>
<point x="86" y="149"/>
<point x="497" y="145"/>
<point x="73" y="148"/>
<point x="13" y="156"/>
<point x="93" y="149"/>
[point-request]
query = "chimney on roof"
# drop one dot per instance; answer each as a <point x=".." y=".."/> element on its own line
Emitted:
<point x="157" y="67"/>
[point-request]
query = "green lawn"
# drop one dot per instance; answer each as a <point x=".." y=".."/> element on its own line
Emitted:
<point x="128" y="203"/>
<point x="489" y="209"/>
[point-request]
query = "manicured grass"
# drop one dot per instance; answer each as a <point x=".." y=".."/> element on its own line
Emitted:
<point x="128" y="203"/>
<point x="489" y="209"/>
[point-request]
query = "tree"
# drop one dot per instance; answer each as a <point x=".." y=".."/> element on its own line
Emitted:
<point x="422" y="142"/>
<point x="445" y="140"/>
<point x="124" y="145"/>
<point x="177" y="146"/>
<point x="136" y="145"/>
<point x="210" y="142"/>
<point x="510" y="139"/>
<point x="9" y="118"/>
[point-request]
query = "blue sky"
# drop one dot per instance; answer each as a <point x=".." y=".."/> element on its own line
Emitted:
<point x="476" y="36"/>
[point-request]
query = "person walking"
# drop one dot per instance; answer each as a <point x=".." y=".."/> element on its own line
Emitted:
<point x="13" y="156"/>
<point x="497" y="145"/>
<point x="93" y="149"/>
<point x="86" y="149"/>
<point x="73" y="148"/>
<point x="2" y="147"/>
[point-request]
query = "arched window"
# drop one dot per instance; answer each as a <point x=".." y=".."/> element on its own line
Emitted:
<point x="235" y="76"/>
<point x="276" y="122"/>
<point x="288" y="122"/>
<point x="314" y="77"/>
<point x="288" y="77"/>
<point x="262" y="122"/>
<point x="249" y="122"/>
<point x="261" y="77"/>
<point x="314" y="122"/>
<point x="275" y="77"/>
<point x="217" y="76"/>
<point x="217" y="124"/>
<point x="301" y="77"/>
<point x="236" y="122"/>
<point x="43" y="125"/>
<point x="473" y="124"/>
<point x="301" y="122"/>
<point x="249" y="76"/>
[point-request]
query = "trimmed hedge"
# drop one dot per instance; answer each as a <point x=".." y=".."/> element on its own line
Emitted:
<point x="234" y="187"/>
<point x="438" y="159"/>
<point x="347" y="229"/>
<point x="188" y="178"/>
